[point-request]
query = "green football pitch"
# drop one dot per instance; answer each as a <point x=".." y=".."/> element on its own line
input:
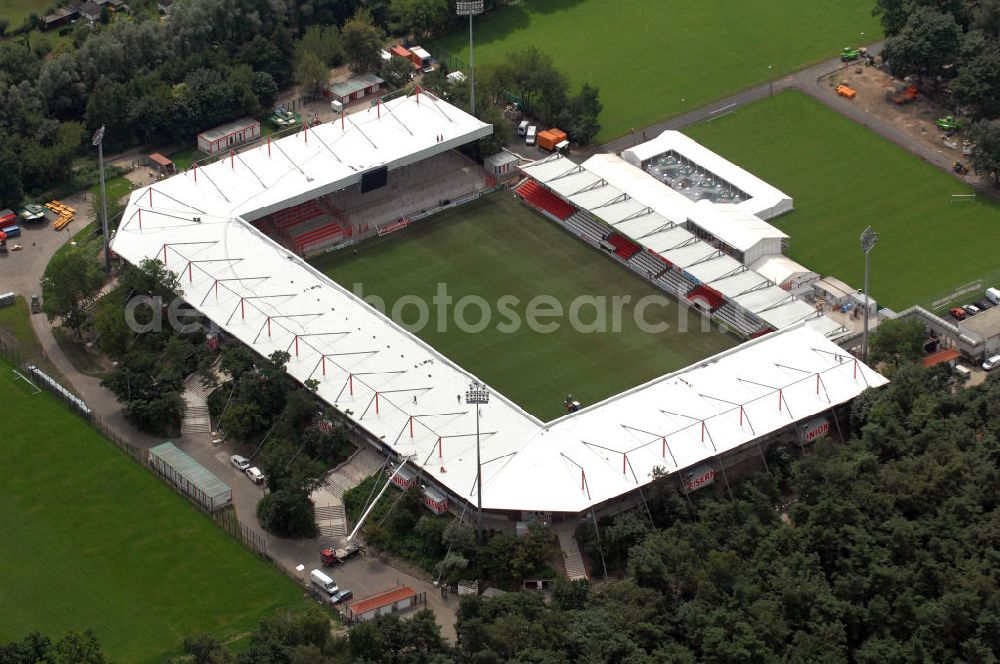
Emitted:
<point x="496" y="247"/>
<point x="844" y="177"/>
<point x="91" y="540"/>
<point x="654" y="59"/>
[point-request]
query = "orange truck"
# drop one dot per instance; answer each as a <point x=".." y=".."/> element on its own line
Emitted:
<point x="550" y="138"/>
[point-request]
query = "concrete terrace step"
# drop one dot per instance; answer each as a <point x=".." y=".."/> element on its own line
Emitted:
<point x="330" y="512"/>
<point x="573" y="559"/>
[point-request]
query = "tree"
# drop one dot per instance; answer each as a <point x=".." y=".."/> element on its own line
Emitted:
<point x="311" y="73"/>
<point x="73" y="648"/>
<point x="581" y="115"/>
<point x="985" y="134"/>
<point x="420" y="17"/>
<point x="928" y="42"/>
<point x="243" y="420"/>
<point x="897" y="341"/>
<point x="977" y="86"/>
<point x="362" y="42"/>
<point x="396" y="71"/>
<point x="288" y="512"/>
<point x="71" y="280"/>
<point x="325" y="42"/>
<point x="11" y="190"/>
<point x="113" y="334"/>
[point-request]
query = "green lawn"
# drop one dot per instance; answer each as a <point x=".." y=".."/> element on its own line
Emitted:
<point x="94" y="541"/>
<point x="16" y="10"/>
<point x="843" y="178"/>
<point x="117" y="188"/>
<point x="495" y="247"/>
<point x="654" y="59"/>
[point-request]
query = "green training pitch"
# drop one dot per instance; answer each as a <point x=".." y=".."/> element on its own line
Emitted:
<point x="654" y="59"/>
<point x="495" y="247"/>
<point x="94" y="541"/>
<point x="845" y="177"/>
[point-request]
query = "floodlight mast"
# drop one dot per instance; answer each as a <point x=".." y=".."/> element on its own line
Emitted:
<point x="869" y="239"/>
<point x="470" y="8"/>
<point x="98" y="141"/>
<point x="479" y="395"/>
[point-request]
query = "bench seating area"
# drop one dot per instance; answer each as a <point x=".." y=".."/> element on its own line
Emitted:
<point x="624" y="247"/>
<point x="543" y="199"/>
<point x="713" y="298"/>
<point x="285" y="219"/>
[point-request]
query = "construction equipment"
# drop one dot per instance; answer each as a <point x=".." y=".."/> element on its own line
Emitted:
<point x="849" y="54"/>
<point x="949" y="123"/>
<point x="846" y="91"/>
<point x="960" y="168"/>
<point x="331" y="556"/>
<point x="903" y="94"/>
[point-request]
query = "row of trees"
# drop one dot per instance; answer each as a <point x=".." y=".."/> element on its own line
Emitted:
<point x="886" y="555"/>
<point x="264" y="408"/>
<point x="954" y="43"/>
<point x="444" y="546"/>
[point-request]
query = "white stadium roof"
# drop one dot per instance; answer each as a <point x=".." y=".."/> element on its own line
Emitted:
<point x="408" y="395"/>
<point x="765" y="200"/>
<point x="649" y="212"/>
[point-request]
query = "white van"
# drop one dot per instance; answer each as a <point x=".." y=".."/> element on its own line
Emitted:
<point x="991" y="363"/>
<point x="993" y="295"/>
<point x="529" y="136"/>
<point x="522" y="128"/>
<point x="323" y="582"/>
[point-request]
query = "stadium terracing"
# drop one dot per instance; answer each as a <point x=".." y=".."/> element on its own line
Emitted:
<point x="409" y="398"/>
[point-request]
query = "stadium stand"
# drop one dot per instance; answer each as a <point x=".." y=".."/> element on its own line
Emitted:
<point x="289" y="217"/>
<point x="624" y="247"/>
<point x="540" y="197"/>
<point x="707" y="294"/>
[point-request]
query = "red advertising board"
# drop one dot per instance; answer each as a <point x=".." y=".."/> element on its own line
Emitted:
<point x="698" y="478"/>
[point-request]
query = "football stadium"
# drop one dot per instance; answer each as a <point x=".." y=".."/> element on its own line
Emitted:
<point x="671" y="216"/>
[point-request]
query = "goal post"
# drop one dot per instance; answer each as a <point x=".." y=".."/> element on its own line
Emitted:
<point x="963" y="198"/>
<point x="18" y="375"/>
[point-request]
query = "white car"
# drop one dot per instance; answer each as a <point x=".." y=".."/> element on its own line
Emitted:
<point x="255" y="475"/>
<point x="991" y="363"/>
<point x="240" y="463"/>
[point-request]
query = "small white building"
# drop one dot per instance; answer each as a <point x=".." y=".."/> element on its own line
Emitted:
<point x="228" y="136"/>
<point x="786" y="274"/>
<point x="502" y="165"/>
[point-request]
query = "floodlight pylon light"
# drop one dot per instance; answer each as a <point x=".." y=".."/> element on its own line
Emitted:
<point x="470" y="8"/>
<point x="98" y="142"/>
<point x="478" y="394"/>
<point x="869" y="238"/>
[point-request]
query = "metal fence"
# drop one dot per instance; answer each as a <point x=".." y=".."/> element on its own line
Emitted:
<point x="225" y="519"/>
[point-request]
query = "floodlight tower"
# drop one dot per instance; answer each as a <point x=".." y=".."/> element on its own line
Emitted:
<point x="869" y="239"/>
<point x="479" y="395"/>
<point x="98" y="141"/>
<point x="470" y="8"/>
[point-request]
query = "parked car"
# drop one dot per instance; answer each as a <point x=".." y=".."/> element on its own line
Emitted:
<point x="255" y="475"/>
<point x="983" y="304"/>
<point x="971" y="309"/>
<point x="993" y="295"/>
<point x="522" y="128"/>
<point x="529" y="137"/>
<point x="991" y="363"/>
<point x="962" y="372"/>
<point x="958" y="313"/>
<point x="240" y="463"/>
<point x="341" y="595"/>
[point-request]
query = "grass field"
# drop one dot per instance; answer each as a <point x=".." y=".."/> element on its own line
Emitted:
<point x="843" y="178"/>
<point x="654" y="59"/>
<point x="16" y="10"/>
<point x="93" y="540"/>
<point x="496" y="246"/>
